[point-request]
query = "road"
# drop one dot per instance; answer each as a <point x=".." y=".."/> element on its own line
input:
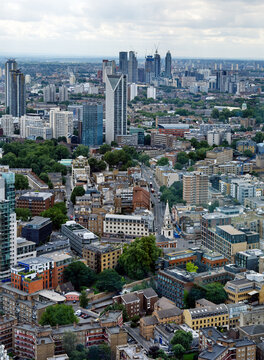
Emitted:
<point x="134" y="333"/>
<point x="68" y="196"/>
<point x="158" y="206"/>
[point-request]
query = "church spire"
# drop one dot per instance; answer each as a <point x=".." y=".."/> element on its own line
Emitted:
<point x="167" y="228"/>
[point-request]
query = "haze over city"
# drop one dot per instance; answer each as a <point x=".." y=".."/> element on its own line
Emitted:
<point x="194" y="28"/>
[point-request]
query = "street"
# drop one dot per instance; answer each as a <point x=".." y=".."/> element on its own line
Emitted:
<point x="68" y="196"/>
<point x="134" y="333"/>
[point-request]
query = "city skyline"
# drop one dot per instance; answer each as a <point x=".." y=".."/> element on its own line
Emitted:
<point x="200" y="29"/>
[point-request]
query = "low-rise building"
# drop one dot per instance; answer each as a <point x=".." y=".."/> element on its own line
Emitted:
<point x="38" y="229"/>
<point x="101" y="256"/>
<point x="36" y="202"/>
<point x="25" y="249"/>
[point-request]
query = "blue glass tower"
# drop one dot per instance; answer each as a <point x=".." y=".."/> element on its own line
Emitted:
<point x="92" y="125"/>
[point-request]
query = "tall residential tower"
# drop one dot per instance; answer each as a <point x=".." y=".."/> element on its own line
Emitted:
<point x="168" y="65"/>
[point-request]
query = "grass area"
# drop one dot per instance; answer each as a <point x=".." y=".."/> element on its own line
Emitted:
<point x="189" y="356"/>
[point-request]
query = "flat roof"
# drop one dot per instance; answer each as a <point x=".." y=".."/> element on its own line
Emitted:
<point x="43" y="195"/>
<point x="51" y="295"/>
<point x="231" y="230"/>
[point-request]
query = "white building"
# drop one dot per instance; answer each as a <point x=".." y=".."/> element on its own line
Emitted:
<point x="3" y="353"/>
<point x="132" y="91"/>
<point x="151" y="92"/>
<point x="115" y="107"/>
<point x="7" y="124"/>
<point x="216" y="137"/>
<point x="27" y="79"/>
<point x="33" y="127"/>
<point x="131" y="225"/>
<point x="61" y="123"/>
<point x="72" y="79"/>
<point x="80" y="171"/>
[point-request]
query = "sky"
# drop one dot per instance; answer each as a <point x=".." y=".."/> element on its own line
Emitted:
<point x="102" y="28"/>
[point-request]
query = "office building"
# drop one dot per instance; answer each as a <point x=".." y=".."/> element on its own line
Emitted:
<point x="168" y="65"/>
<point x="141" y="75"/>
<point x="157" y="65"/>
<point x="16" y="93"/>
<point x="140" y="133"/>
<point x="116" y="107"/>
<point x="78" y="236"/>
<point x="49" y="94"/>
<point x="33" y="126"/>
<point x="195" y="188"/>
<point x="123" y="62"/>
<point x="25" y="249"/>
<point x="215" y="315"/>
<point x="7" y="124"/>
<point x="101" y="256"/>
<point x="36" y="202"/>
<point x="149" y="69"/>
<point x="132" y="68"/>
<point x="37" y="230"/>
<point x="9" y="66"/>
<point x="63" y="93"/>
<point x="92" y="125"/>
<point x="61" y="123"/>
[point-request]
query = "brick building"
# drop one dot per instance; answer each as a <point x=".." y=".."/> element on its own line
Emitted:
<point x="141" y="198"/>
<point x="36" y="202"/>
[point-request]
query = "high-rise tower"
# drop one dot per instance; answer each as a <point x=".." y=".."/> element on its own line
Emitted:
<point x="115" y="107"/>
<point x="168" y="65"/>
<point x="149" y="69"/>
<point x="9" y="65"/>
<point x="123" y="62"/>
<point x="132" y="68"/>
<point x="92" y="125"/>
<point x="157" y="64"/>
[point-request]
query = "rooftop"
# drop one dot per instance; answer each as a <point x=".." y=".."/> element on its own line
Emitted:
<point x="39" y="195"/>
<point x="231" y="230"/>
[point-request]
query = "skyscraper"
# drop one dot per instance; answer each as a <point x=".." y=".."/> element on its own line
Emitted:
<point x="49" y="93"/>
<point x="63" y="93"/>
<point x="149" y="68"/>
<point x="116" y="107"/>
<point x="15" y="96"/>
<point x="157" y="64"/>
<point x="109" y="68"/>
<point x="195" y="188"/>
<point x="92" y="125"/>
<point x="132" y="68"/>
<point x="9" y="65"/>
<point x="7" y="224"/>
<point x="123" y="62"/>
<point x="168" y="65"/>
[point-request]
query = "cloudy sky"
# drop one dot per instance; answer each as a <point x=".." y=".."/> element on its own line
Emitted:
<point x="191" y="28"/>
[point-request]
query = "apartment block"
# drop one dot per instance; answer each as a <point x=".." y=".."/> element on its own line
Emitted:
<point x="101" y="256"/>
<point x="220" y="155"/>
<point x="195" y="188"/>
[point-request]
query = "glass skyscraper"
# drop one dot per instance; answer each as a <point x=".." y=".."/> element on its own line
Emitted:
<point x="168" y="65"/>
<point x="92" y="125"/>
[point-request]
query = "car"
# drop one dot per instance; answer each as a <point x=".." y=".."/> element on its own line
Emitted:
<point x="83" y="316"/>
<point x="78" y="313"/>
<point x="74" y="301"/>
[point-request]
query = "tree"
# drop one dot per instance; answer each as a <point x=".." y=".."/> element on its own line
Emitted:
<point x="109" y="280"/>
<point x="57" y="214"/>
<point x="215" y="114"/>
<point x="100" y="352"/>
<point x="96" y="166"/>
<point x="81" y="150"/>
<point x="182" y="158"/>
<point x="60" y="314"/>
<point x="183" y="338"/>
<point x="178" y="166"/>
<point x="190" y="267"/>
<point x="196" y="293"/>
<point x="69" y="342"/>
<point x="23" y="214"/>
<point x="248" y="153"/>
<point x="21" y="182"/>
<point x="163" y="161"/>
<point x="178" y="351"/>
<point x="215" y="292"/>
<point x="61" y="152"/>
<point x="79" y="275"/>
<point x="104" y="148"/>
<point x="156" y="353"/>
<point x="77" y="191"/>
<point x="139" y="258"/>
<point x="147" y="139"/>
<point x="83" y="299"/>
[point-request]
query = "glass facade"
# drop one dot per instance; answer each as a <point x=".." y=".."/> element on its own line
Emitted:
<point x="92" y="125"/>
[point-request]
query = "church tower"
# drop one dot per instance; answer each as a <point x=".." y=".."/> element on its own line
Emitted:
<point x="167" y="228"/>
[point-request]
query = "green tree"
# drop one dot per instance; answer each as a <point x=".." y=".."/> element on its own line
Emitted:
<point x="178" y="351"/>
<point x="182" y="158"/>
<point x="178" y="166"/>
<point x="23" y="214"/>
<point x="77" y="191"/>
<point x="57" y="214"/>
<point x="62" y="152"/>
<point x="196" y="293"/>
<point x="60" y="314"/>
<point x="21" y="182"/>
<point x="96" y="165"/>
<point x="117" y="306"/>
<point x="69" y="342"/>
<point x="163" y="161"/>
<point x="104" y="148"/>
<point x="215" y="114"/>
<point x="190" y="267"/>
<point x="139" y="258"/>
<point x="183" y="338"/>
<point x="100" y="352"/>
<point x="79" y="275"/>
<point x="81" y="150"/>
<point x="215" y="292"/>
<point x="83" y="299"/>
<point x="248" y="153"/>
<point x="109" y="280"/>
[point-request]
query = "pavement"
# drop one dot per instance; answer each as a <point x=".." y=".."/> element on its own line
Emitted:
<point x="68" y="189"/>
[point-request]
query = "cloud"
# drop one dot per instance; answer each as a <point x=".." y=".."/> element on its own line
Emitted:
<point x="212" y="28"/>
